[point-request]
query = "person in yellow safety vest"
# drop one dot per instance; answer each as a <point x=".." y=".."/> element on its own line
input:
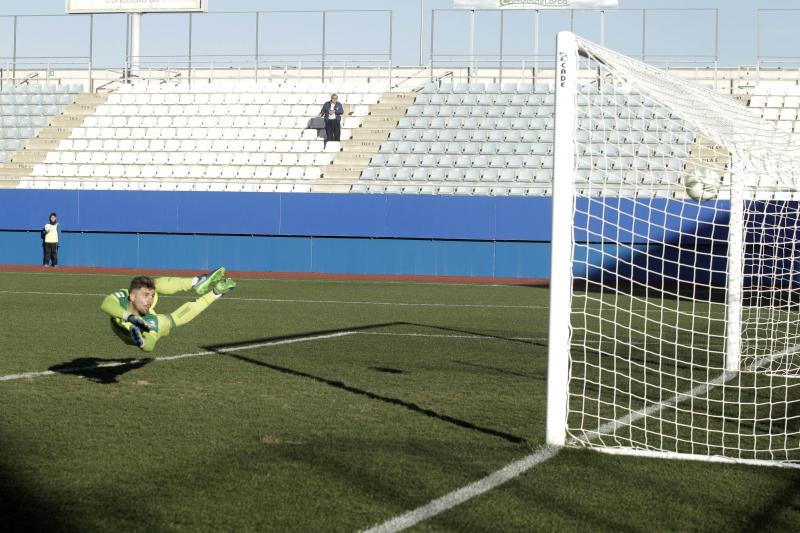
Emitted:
<point x="50" y="236"/>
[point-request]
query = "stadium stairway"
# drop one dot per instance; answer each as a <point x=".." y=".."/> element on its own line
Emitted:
<point x="365" y="142"/>
<point x="60" y="127"/>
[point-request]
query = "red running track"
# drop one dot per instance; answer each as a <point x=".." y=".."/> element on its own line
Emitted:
<point x="282" y="275"/>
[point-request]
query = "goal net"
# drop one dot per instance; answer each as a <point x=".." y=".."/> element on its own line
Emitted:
<point x="674" y="317"/>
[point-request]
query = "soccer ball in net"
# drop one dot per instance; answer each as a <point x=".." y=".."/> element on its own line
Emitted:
<point x="702" y="185"/>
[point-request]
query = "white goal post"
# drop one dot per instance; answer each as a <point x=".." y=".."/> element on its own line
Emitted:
<point x="674" y="318"/>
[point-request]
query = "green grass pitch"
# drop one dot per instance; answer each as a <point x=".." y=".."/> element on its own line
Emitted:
<point x="411" y="391"/>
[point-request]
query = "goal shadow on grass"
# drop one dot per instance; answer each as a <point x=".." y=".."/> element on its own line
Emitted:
<point x="229" y="350"/>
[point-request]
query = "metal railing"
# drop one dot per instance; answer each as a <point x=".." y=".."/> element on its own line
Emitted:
<point x="46" y="70"/>
<point x="327" y="62"/>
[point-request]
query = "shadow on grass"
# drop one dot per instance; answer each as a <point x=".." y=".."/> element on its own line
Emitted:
<point x="22" y="506"/>
<point x="230" y="351"/>
<point x="505" y="371"/>
<point x="486" y="335"/>
<point x="103" y="371"/>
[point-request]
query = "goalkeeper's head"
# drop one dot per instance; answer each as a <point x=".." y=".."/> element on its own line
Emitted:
<point x="141" y="294"/>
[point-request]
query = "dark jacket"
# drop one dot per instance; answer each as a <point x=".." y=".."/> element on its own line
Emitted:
<point x="339" y="110"/>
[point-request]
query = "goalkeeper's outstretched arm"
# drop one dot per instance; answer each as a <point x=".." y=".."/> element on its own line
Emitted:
<point x="114" y="309"/>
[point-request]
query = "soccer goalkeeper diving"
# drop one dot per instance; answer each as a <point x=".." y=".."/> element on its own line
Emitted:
<point x="132" y="310"/>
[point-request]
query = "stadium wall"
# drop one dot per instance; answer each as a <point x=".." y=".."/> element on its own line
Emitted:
<point x="481" y="236"/>
<point x="326" y="233"/>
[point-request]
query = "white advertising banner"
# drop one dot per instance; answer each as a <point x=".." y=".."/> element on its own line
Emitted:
<point x="536" y="4"/>
<point x="135" y="6"/>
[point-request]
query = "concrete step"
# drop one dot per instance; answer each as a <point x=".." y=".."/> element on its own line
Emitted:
<point x="379" y="129"/>
<point x="356" y="157"/>
<point x="397" y="98"/>
<point x="342" y="171"/>
<point x="339" y="179"/>
<point x="330" y="187"/>
<point x="38" y="143"/>
<point x="12" y="165"/>
<point x="10" y="171"/>
<point x="704" y="151"/>
<point x="79" y="109"/>
<point x="28" y="156"/>
<point x="383" y="122"/>
<point x="386" y="113"/>
<point x="67" y="121"/>
<point x="54" y="133"/>
<point x="386" y="109"/>
<point x="351" y="162"/>
<point x="90" y="98"/>
<point x="360" y="145"/>
<point x="372" y="137"/>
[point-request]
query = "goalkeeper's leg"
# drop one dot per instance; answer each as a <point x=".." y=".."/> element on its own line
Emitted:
<point x="188" y="311"/>
<point x="171" y="285"/>
<point x="200" y="284"/>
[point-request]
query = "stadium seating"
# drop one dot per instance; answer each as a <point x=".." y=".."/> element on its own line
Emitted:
<point x="24" y="109"/>
<point x="778" y="103"/>
<point x="207" y="136"/>
<point x="497" y="139"/>
<point x="456" y="138"/>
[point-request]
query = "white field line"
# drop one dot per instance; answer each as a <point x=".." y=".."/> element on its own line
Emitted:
<point x="397" y="304"/>
<point x="285" y="280"/>
<point x="351" y="302"/>
<point x="546" y="453"/>
<point x="459" y="496"/>
<point x="444" y="336"/>
<point x="12" y="377"/>
<point x="303" y="301"/>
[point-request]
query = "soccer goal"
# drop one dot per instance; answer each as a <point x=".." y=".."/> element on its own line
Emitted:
<point x="675" y="283"/>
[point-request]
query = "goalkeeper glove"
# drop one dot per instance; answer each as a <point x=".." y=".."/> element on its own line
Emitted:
<point x="136" y="336"/>
<point x="137" y="321"/>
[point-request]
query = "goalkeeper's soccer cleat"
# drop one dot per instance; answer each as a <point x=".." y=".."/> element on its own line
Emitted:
<point x="136" y="336"/>
<point x="224" y="286"/>
<point x="207" y="281"/>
